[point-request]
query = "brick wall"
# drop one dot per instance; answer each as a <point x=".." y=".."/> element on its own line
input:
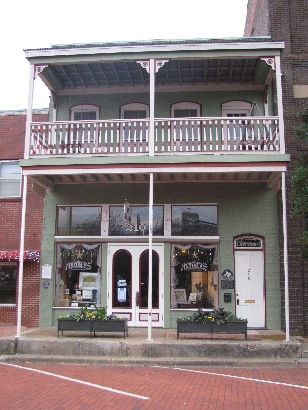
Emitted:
<point x="287" y="21"/>
<point x="12" y="134"/>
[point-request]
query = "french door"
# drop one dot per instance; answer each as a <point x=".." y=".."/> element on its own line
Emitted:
<point x="128" y="280"/>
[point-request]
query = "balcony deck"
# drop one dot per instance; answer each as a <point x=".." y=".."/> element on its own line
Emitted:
<point x="171" y="136"/>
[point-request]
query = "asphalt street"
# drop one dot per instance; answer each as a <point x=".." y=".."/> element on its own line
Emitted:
<point x="67" y="386"/>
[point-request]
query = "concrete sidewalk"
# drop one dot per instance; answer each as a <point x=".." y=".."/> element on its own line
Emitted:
<point x="43" y="344"/>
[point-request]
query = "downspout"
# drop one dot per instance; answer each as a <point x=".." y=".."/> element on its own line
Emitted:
<point x="285" y="254"/>
<point x="284" y="196"/>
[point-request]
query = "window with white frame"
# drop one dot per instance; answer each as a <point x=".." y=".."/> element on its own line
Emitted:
<point x="84" y="112"/>
<point x="235" y="130"/>
<point x="134" y="131"/>
<point x="84" y="133"/>
<point x="185" y="130"/>
<point x="10" y="177"/>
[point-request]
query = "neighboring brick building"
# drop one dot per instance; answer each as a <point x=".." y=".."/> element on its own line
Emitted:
<point x="286" y="21"/>
<point x="12" y="134"/>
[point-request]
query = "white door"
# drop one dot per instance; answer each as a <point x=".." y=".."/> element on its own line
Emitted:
<point x="249" y="287"/>
<point x="128" y="283"/>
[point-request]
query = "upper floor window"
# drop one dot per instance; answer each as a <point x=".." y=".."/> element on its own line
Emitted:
<point x="84" y="113"/>
<point x="10" y="177"/>
<point x="185" y="109"/>
<point x="79" y="220"/>
<point x="134" y="111"/>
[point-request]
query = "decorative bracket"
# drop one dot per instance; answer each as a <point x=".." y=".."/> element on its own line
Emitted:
<point x="269" y="61"/>
<point x="38" y="69"/>
<point x="158" y="63"/>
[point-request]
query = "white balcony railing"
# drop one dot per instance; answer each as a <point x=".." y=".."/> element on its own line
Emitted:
<point x="171" y="136"/>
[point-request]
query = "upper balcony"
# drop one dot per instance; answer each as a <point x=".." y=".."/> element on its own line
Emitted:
<point x="160" y="98"/>
<point x="171" y="136"/>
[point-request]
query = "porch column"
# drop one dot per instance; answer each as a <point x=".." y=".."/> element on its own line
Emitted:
<point x="29" y="112"/>
<point x="21" y="253"/>
<point x="280" y="105"/>
<point x="285" y="255"/>
<point x="152" y="107"/>
<point x="150" y="283"/>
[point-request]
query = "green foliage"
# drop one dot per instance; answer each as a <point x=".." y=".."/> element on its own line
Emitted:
<point x="299" y="193"/>
<point x="90" y="313"/>
<point x="217" y="315"/>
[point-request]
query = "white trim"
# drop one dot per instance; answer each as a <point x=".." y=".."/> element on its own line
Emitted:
<point x="137" y="48"/>
<point x="29" y="112"/>
<point x="147" y="170"/>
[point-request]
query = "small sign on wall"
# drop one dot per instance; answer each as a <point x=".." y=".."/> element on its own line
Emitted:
<point x="46" y="271"/>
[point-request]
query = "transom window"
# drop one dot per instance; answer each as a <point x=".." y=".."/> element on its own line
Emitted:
<point x="185" y="109"/>
<point x="10" y="177"/>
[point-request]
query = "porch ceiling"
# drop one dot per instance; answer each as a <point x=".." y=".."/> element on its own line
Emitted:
<point x="130" y="73"/>
<point x="272" y="179"/>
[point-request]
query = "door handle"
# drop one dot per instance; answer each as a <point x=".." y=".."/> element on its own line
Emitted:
<point x="137" y="298"/>
<point x="237" y="301"/>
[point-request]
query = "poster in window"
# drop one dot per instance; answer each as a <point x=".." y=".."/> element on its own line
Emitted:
<point x="88" y="280"/>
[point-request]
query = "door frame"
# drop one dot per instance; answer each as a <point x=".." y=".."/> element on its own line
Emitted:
<point x="137" y="317"/>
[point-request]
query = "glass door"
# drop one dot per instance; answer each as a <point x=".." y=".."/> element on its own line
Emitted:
<point x="128" y="280"/>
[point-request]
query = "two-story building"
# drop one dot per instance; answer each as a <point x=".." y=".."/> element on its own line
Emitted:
<point x="160" y="167"/>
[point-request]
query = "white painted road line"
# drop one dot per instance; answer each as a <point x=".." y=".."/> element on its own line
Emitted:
<point x="97" y="386"/>
<point x="297" y="386"/>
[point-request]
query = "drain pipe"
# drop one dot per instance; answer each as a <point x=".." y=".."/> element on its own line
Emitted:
<point x="285" y="255"/>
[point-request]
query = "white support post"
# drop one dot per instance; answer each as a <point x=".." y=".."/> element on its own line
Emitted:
<point x="150" y="280"/>
<point x="29" y="112"/>
<point x="152" y="105"/>
<point x="21" y="254"/>
<point x="285" y="255"/>
<point x="280" y="105"/>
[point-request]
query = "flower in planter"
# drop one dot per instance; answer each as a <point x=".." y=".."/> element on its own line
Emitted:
<point x="217" y="315"/>
<point x="96" y="313"/>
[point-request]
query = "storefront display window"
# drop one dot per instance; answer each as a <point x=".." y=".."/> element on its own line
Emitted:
<point x="190" y="220"/>
<point x="194" y="276"/>
<point x="136" y="222"/>
<point x="8" y="275"/>
<point x="78" y="274"/>
<point x="79" y="220"/>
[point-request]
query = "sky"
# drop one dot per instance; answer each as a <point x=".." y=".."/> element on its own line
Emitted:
<point x="29" y="24"/>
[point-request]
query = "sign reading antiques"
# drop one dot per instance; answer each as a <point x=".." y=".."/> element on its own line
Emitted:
<point x="194" y="266"/>
<point x="78" y="265"/>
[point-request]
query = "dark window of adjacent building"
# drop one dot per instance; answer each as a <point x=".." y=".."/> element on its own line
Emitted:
<point x="8" y="276"/>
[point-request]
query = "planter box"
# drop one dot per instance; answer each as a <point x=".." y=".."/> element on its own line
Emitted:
<point x="212" y="328"/>
<point x="119" y="325"/>
<point x="93" y="326"/>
